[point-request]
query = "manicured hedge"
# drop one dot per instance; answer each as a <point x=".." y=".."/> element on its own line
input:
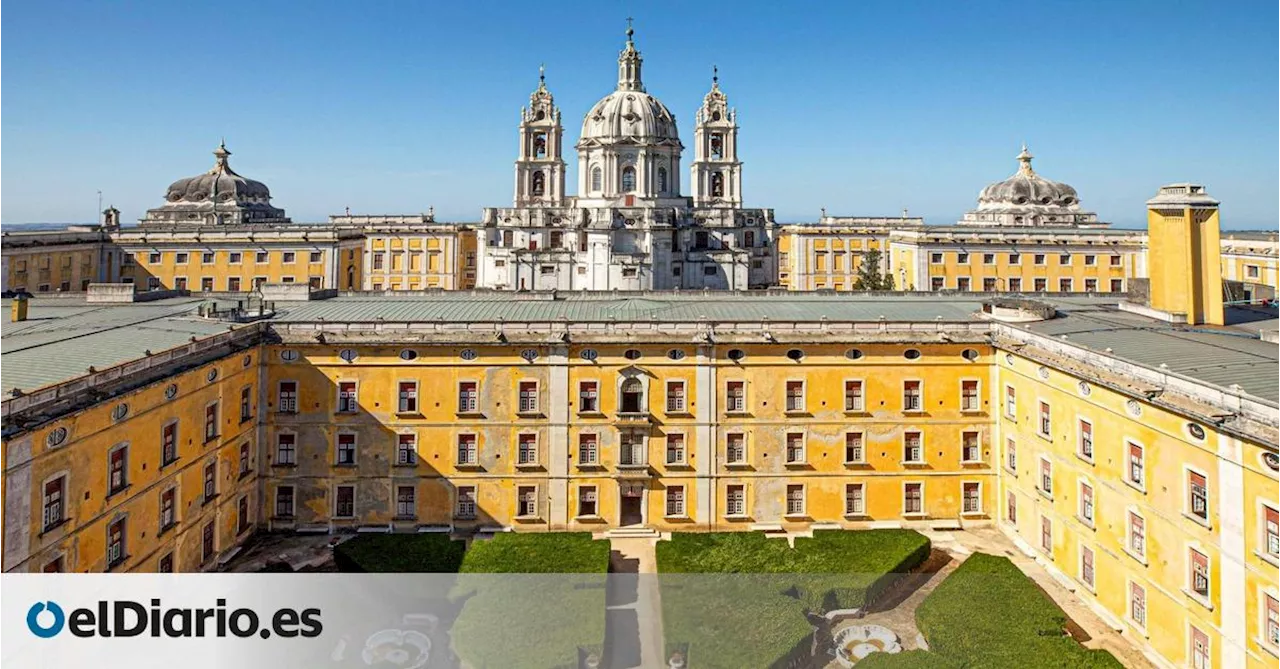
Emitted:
<point x="433" y="553"/>
<point x="987" y="613"/>
<point x="538" y="553"/>
<point x="911" y="659"/>
<point x="739" y="599"/>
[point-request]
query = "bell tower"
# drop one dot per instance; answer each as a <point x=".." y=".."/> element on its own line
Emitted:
<point x="716" y="170"/>
<point x="540" y="167"/>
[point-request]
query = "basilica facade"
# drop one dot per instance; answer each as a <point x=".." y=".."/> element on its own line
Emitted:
<point x="630" y="227"/>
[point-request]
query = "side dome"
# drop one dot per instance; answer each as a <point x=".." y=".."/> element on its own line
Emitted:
<point x="1026" y="188"/>
<point x="220" y="184"/>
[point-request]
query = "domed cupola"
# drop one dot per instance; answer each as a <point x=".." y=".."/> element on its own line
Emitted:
<point x="1026" y="198"/>
<point x="629" y="147"/>
<point x="219" y="196"/>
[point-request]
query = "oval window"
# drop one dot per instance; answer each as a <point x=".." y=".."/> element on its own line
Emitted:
<point x="853" y="354"/>
<point x="288" y="355"/>
<point x="675" y="354"/>
<point x="1195" y="431"/>
<point x="911" y="354"/>
<point x="631" y="354"/>
<point x="969" y="354"/>
<point x="1043" y="372"/>
<point x="589" y="354"/>
<point x="56" y="436"/>
<point x="212" y="375"/>
<point x="348" y="354"/>
<point x="1271" y="461"/>
<point x="795" y="354"/>
<point x="529" y="354"/>
<point x="1133" y="407"/>
<point x="469" y="354"/>
<point x="171" y="391"/>
<point x="1008" y="358"/>
<point x="120" y="411"/>
<point x="248" y="360"/>
<point x="736" y="354"/>
<point x="408" y="354"/>
<point x="1085" y="389"/>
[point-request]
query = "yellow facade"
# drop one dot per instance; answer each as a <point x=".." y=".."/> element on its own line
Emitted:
<point x="64" y="266"/>
<point x="72" y="530"/>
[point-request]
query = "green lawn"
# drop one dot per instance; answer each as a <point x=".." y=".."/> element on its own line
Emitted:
<point x="738" y="599"/>
<point x="988" y="614"/>
<point x="531" y="600"/>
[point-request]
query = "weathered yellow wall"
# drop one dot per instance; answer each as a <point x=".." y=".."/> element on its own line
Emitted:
<point x="1185" y="263"/>
<point x="52" y="269"/>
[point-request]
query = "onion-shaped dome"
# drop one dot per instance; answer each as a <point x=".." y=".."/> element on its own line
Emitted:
<point x="1027" y="188"/>
<point x="219" y="184"/>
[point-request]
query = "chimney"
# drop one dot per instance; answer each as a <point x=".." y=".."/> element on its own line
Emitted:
<point x="18" y="308"/>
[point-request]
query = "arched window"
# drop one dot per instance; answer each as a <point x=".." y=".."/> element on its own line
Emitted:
<point x="717" y="146"/>
<point x="540" y="145"/>
<point x="662" y="179"/>
<point x="717" y="185"/>
<point x="539" y="185"/>
<point x="632" y="396"/>
<point x="597" y="179"/>
<point x="628" y="179"/>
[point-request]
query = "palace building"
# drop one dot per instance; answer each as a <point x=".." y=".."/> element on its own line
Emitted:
<point x="1135" y="457"/>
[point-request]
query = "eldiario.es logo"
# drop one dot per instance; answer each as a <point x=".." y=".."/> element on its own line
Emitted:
<point x="125" y="618"/>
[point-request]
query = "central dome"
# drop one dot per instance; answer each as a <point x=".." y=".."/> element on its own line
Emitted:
<point x="629" y="114"/>
<point x="1026" y="188"/>
<point x="220" y="183"/>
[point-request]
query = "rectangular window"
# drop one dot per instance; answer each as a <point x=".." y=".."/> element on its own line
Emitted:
<point x="935" y="258"/>
<point x="675" y="501"/>
<point x="1045" y="426"/>
<point x="1041" y="285"/>
<point x="242" y="514"/>
<point x="736" y="448"/>
<point x="468" y="396"/>
<point x="284" y="501"/>
<point x="1086" y="565"/>
<point x="971" y="497"/>
<point x="988" y="258"/>
<point x="1198" y="495"/>
<point x="855" y="502"/>
<point x="1138" y="605"/>
<point x="244" y="459"/>
<point x="206" y="284"/>
<point x="406" y="449"/>
<point x="735" y="396"/>
<point x="288" y="397"/>
<point x="1137" y="534"/>
<point x="969" y="400"/>
<point x="315" y="257"/>
<point x="1010" y="402"/>
<point x="962" y="258"/>
<point x="1271" y="530"/>
<point x="1090" y="285"/>
<point x="54" y="502"/>
<point x="1015" y="284"/>
<point x="211" y="422"/>
<point x="937" y="283"/>
<point x="1064" y="259"/>
<point x="962" y="284"/>
<point x="1046" y="534"/>
<point x="1199" y="575"/>
<point x="795" y="448"/>
<point x="165" y="565"/>
<point x="408" y="397"/>
<point x="115" y="542"/>
<point x="466" y="449"/>
<point x="168" y="444"/>
<point x="913" y="498"/>
<point x="1090" y="260"/>
<point x="587" y="501"/>
<point x="208" y="542"/>
<point x="1011" y="507"/>
<point x="853" y="448"/>
<point x="1011" y="455"/>
<point x="527" y="449"/>
<point x="989" y="285"/>
<point x="246" y="403"/>
<point x="735" y="500"/>
<point x="344" y="501"/>
<point x="233" y="284"/>
<point x="286" y="449"/>
<point x="1137" y="470"/>
<point x="1116" y="261"/>
<point x="118" y="478"/>
<point x="528" y="397"/>
<point x="675" y="397"/>
<point x="466" y="506"/>
<point x="588" y="449"/>
<point x="795" y="500"/>
<point x="853" y="400"/>
<point x="970" y="447"/>
<point x="1200" y="658"/>
<point x="588" y="397"/>
<point x="1015" y="258"/>
<point x="795" y="396"/>
<point x="1084" y="446"/>
<point x="1117" y="285"/>
<point x="911" y="400"/>
<point x="675" y="449"/>
<point x="1273" y="621"/>
<point x="289" y="257"/>
<point x="1046" y="476"/>
<point x="346" y="449"/>
<point x="1086" y="503"/>
<point x="406" y="501"/>
<point x="526" y="501"/>
<point x="153" y="258"/>
<point x="912" y="447"/>
<point x="1065" y="286"/>
<point x="210" y="481"/>
<point x="348" y="400"/>
<point x="261" y="257"/>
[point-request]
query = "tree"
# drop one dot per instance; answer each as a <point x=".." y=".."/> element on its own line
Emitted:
<point x="869" y="276"/>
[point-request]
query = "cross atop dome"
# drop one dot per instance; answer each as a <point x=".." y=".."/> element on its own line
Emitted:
<point x="629" y="64"/>
<point x="1024" y="159"/>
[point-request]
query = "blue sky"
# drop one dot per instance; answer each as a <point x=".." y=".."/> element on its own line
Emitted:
<point x="860" y="107"/>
